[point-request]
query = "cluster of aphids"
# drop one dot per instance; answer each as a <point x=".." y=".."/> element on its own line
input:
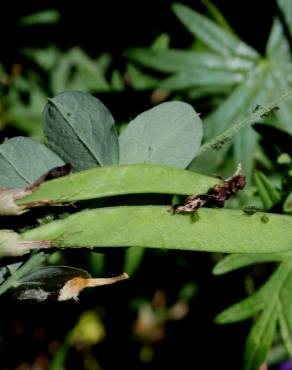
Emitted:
<point x="219" y="143"/>
<point x="264" y="115"/>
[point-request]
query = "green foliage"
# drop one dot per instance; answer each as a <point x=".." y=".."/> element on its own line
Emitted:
<point x="156" y="227"/>
<point x="223" y="64"/>
<point x="215" y="37"/>
<point x="66" y="112"/>
<point x="34" y="262"/>
<point x="119" y="180"/>
<point x="242" y="88"/>
<point x="272" y="300"/>
<point x="270" y="303"/>
<point x="268" y="194"/>
<point x="86" y="125"/>
<point x="285" y="6"/>
<point x="65" y="117"/>
<point x="44" y="17"/>
<point x="133" y="260"/>
<point x="74" y="70"/>
<point x="154" y="136"/>
<point x="288" y="204"/>
<point x="69" y="70"/>
<point x="16" y="158"/>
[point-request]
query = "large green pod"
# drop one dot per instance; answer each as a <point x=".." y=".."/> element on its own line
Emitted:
<point x="154" y="226"/>
<point x="118" y="180"/>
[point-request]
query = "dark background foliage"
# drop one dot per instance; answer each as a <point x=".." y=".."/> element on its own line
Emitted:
<point x="114" y="26"/>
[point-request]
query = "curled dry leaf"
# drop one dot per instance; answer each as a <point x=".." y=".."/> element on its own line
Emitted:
<point x="216" y="196"/>
<point x="8" y="197"/>
<point x="53" y="173"/>
<point x="73" y="287"/>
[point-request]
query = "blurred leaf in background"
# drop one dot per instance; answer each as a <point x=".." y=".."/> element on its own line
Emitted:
<point x="268" y="303"/>
<point x="220" y="64"/>
<point x="24" y="89"/>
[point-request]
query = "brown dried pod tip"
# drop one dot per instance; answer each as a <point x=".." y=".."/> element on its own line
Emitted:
<point x="215" y="197"/>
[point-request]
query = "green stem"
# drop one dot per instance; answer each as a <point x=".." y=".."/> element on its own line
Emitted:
<point x="228" y="134"/>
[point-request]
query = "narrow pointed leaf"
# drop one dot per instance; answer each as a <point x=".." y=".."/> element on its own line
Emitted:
<point x="46" y="17"/>
<point x="269" y="195"/>
<point x="201" y="77"/>
<point x="242" y="310"/>
<point x="140" y="80"/>
<point x="285" y="328"/>
<point x="285" y="6"/>
<point x="214" y="36"/>
<point x="285" y="312"/>
<point x="217" y="15"/>
<point x="161" y="42"/>
<point x="277" y="43"/>
<point x="237" y="261"/>
<point x="174" y="60"/>
<point x="76" y="71"/>
<point x="206" y="91"/>
<point x="260" y="339"/>
<point x="117" y="82"/>
<point x="245" y="145"/>
<point x="133" y="260"/>
<point x="272" y="302"/>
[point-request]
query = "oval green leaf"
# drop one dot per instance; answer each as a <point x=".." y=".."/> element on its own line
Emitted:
<point x="169" y="134"/>
<point x="81" y="130"/>
<point x="18" y="163"/>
